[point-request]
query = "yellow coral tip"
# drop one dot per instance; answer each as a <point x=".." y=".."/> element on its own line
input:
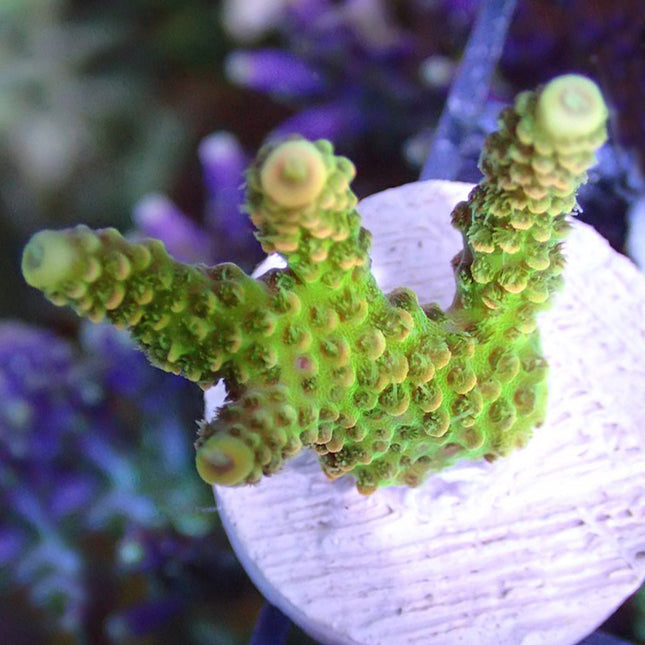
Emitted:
<point x="571" y="106"/>
<point x="293" y="174"/>
<point x="224" y="460"/>
<point x="48" y="259"/>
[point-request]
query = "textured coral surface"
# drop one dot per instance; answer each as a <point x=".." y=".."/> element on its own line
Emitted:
<point x="316" y="354"/>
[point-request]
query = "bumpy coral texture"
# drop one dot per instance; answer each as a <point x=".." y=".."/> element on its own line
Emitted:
<point x="316" y="354"/>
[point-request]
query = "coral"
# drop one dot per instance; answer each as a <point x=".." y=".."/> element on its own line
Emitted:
<point x="316" y="354"/>
<point x="102" y="522"/>
<point x="545" y="39"/>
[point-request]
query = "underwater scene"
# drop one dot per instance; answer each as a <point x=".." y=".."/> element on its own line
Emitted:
<point x="167" y="119"/>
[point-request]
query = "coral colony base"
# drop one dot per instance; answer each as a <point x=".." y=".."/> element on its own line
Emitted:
<point x="316" y="355"/>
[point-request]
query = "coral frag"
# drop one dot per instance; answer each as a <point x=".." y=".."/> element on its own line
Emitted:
<point x="316" y="354"/>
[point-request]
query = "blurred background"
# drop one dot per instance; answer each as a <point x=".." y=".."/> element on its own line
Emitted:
<point x="142" y="114"/>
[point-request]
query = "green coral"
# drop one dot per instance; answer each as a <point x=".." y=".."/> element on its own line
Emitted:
<point x="316" y="354"/>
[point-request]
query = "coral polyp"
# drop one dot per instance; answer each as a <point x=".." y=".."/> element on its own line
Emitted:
<point x="316" y="355"/>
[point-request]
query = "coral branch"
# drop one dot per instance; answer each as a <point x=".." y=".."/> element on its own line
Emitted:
<point x="315" y="354"/>
<point x="515" y="220"/>
<point x="186" y="318"/>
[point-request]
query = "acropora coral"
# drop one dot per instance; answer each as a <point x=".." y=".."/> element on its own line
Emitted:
<point x="316" y="355"/>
